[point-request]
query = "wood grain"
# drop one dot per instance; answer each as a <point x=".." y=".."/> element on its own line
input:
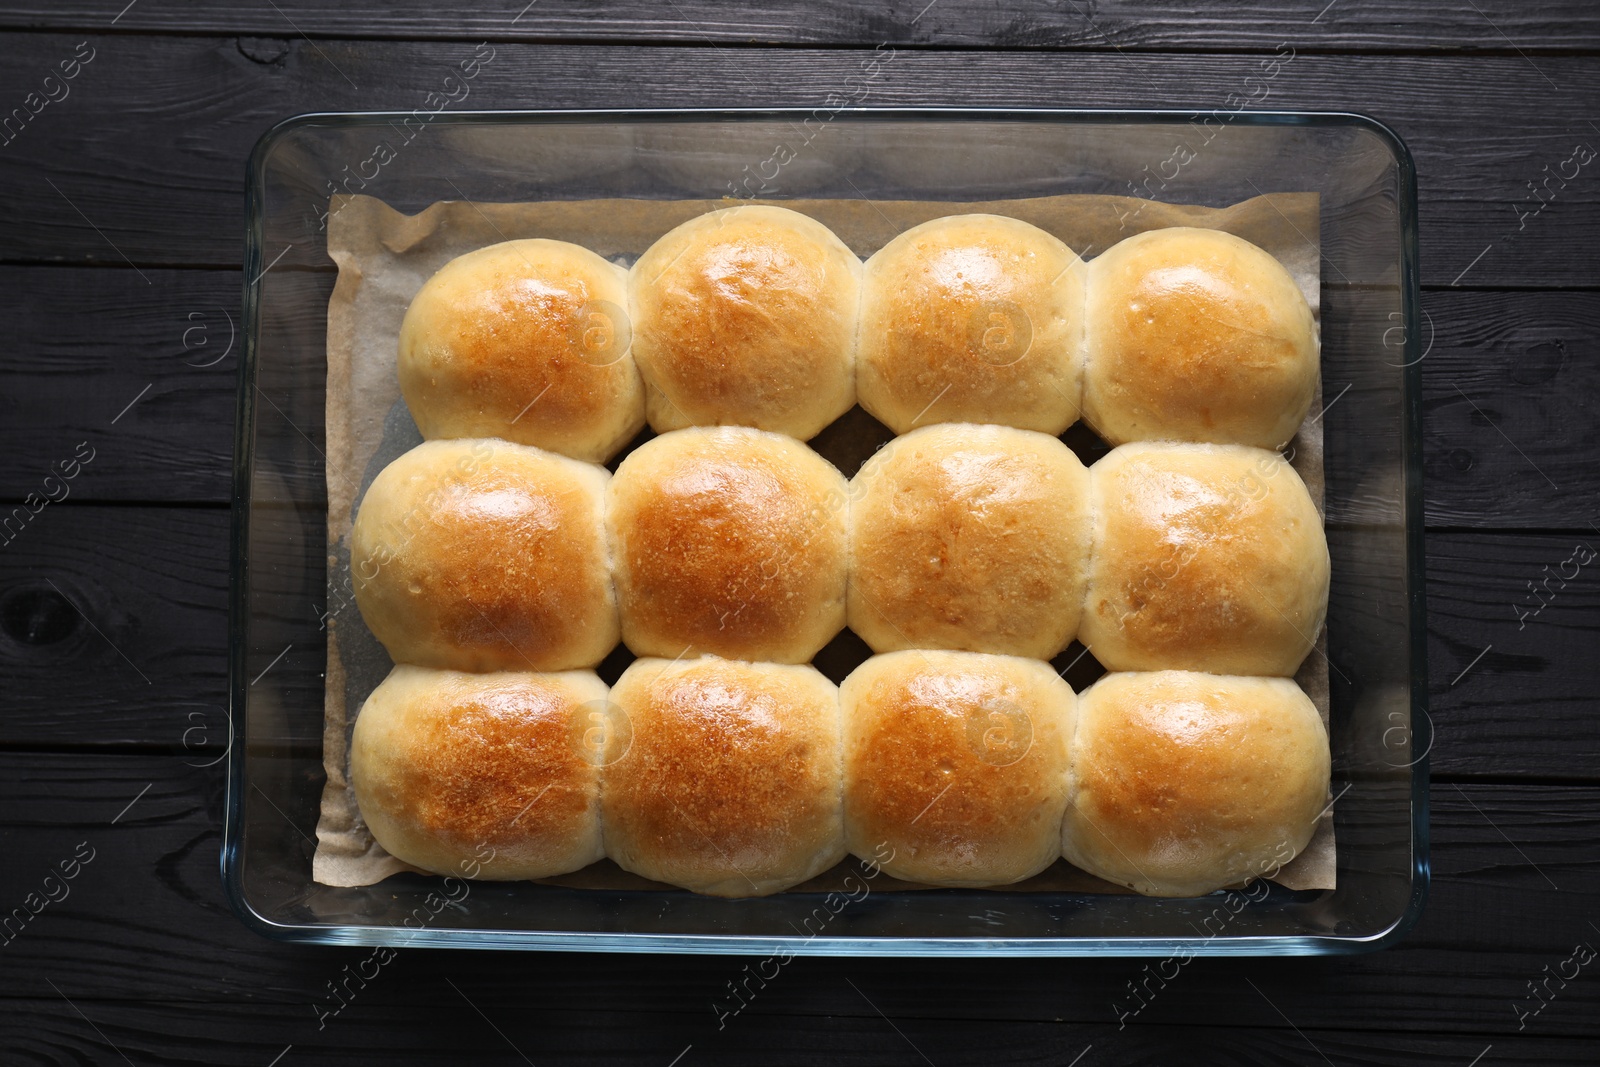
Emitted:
<point x="1509" y="417"/>
<point x="1509" y="381"/>
<point x="1508" y="614"/>
<point x="143" y="369"/>
<point x="113" y="627"/>
<point x="1365" y="25"/>
<point x="147" y="913"/>
<point x="113" y="603"/>
<point x="138" y="654"/>
<point x="179" y="1034"/>
<point x="206" y="100"/>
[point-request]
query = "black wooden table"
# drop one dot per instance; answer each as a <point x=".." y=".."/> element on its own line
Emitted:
<point x="123" y="134"/>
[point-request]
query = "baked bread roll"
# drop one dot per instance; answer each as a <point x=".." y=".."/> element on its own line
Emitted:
<point x="747" y="317"/>
<point x="728" y="541"/>
<point x="972" y="318"/>
<point x="1196" y="335"/>
<point x="969" y="537"/>
<point x="725" y="777"/>
<point x="480" y="775"/>
<point x="955" y="765"/>
<point x="525" y="340"/>
<point x="1206" y="558"/>
<point x="486" y="556"/>
<point x="1187" y="783"/>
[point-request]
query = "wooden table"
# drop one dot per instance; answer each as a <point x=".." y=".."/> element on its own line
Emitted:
<point x="120" y="255"/>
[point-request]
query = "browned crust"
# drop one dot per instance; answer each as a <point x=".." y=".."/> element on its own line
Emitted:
<point x="957" y="763"/>
<point x="484" y="555"/>
<point x="479" y="767"/>
<point x="747" y="316"/>
<point x="972" y="318"/>
<point x="1187" y="782"/>
<point x="970" y="537"/>
<point x="1197" y="335"/>
<point x="729" y="782"/>
<point x="731" y="542"/>
<point x="526" y="340"/>
<point x="1205" y="558"/>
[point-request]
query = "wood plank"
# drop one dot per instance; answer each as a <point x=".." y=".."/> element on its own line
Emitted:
<point x="113" y="627"/>
<point x="1360" y="25"/>
<point x="1508" y="389"/>
<point x="1512" y="625"/>
<point x="251" y="1034"/>
<point x="1515" y="865"/>
<point x="147" y="913"/>
<point x="1509" y="418"/>
<point x="151" y="586"/>
<point x="142" y="370"/>
<point x="205" y="100"/>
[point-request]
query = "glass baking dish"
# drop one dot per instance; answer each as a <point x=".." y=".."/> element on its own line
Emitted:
<point x="1371" y="382"/>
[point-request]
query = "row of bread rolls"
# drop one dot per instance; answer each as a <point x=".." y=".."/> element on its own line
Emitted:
<point x="742" y="779"/>
<point x="485" y="555"/>
<point x="760" y="316"/>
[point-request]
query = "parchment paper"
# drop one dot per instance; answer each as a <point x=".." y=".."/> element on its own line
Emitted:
<point x="384" y="257"/>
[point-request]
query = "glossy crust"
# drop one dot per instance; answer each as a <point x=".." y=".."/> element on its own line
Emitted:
<point x="1196" y="335"/>
<point x="747" y="317"/>
<point x="1187" y="783"/>
<point x="729" y="541"/>
<point x="1205" y="558"/>
<point x="485" y="555"/>
<point x="725" y="778"/>
<point x="969" y="537"/>
<point x="526" y="340"/>
<point x="972" y="318"/>
<point x="955" y="765"/>
<point x="480" y="775"/>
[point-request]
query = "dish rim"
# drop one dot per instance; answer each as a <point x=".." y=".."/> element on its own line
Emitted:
<point x="1409" y="287"/>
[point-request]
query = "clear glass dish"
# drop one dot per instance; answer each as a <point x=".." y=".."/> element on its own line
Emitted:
<point x="1371" y="380"/>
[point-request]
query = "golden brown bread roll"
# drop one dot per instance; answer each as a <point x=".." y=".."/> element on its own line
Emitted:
<point x="729" y="541"/>
<point x="969" y="537"/>
<point x="485" y="555"/>
<point x="1206" y="558"/>
<point x="972" y="318"/>
<point x="1196" y="335"/>
<point x="725" y="777"/>
<point x="525" y="340"/>
<point x="747" y="317"/>
<point x="1185" y="783"/>
<point x="480" y="775"/>
<point x="955" y="765"/>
